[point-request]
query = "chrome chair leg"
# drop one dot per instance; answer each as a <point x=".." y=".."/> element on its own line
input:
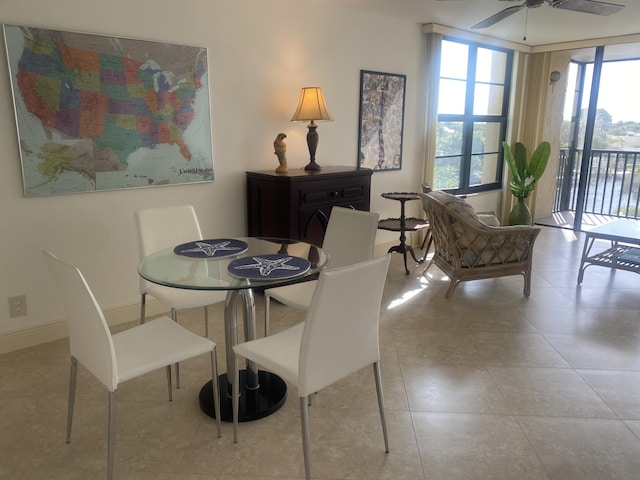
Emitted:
<point x="143" y="307"/>
<point x="206" y="322"/>
<point x="304" y="420"/>
<point x="111" y="442"/>
<point x="376" y="372"/>
<point x="72" y="395"/>
<point x="235" y="397"/>
<point x="169" y="382"/>
<point x="267" y="305"/>
<point x="174" y="317"/>
<point x="215" y="388"/>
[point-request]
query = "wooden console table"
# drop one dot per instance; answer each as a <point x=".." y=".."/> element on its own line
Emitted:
<point x="297" y="204"/>
<point x="623" y="235"/>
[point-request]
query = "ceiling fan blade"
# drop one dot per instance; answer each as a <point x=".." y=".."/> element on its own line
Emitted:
<point x="493" y="19"/>
<point x="587" y="6"/>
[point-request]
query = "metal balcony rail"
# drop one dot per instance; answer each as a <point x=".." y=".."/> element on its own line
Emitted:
<point x="613" y="182"/>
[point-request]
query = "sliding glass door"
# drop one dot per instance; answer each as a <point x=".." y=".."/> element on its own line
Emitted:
<point x="600" y="174"/>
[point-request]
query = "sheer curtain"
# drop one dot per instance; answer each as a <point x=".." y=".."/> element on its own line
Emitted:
<point x="434" y="48"/>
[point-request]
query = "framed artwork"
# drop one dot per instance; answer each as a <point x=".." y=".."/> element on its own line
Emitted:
<point x="95" y="112"/>
<point x="381" y="120"/>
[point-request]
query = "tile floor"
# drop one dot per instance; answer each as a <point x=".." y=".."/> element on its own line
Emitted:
<point x="487" y="385"/>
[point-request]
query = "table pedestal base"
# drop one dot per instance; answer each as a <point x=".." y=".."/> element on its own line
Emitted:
<point x="254" y="404"/>
<point x="404" y="225"/>
<point x="403" y="248"/>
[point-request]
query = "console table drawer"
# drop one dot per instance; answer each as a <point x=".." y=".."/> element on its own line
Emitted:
<point x="338" y="193"/>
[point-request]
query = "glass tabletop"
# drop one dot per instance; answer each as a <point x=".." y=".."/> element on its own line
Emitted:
<point x="168" y="268"/>
<point x="622" y="230"/>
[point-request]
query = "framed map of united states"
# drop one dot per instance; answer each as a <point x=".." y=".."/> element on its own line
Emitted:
<point x="95" y="112"/>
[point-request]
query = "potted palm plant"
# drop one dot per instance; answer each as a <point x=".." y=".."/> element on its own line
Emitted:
<point x="525" y="175"/>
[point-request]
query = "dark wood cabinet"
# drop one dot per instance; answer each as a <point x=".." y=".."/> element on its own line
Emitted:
<point x="297" y="204"/>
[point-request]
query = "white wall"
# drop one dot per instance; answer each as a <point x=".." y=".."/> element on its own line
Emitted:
<point x="260" y="55"/>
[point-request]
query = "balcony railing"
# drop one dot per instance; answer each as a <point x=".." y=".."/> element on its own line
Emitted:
<point x="613" y="182"/>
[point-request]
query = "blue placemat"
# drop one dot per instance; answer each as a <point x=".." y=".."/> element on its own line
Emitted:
<point x="269" y="267"/>
<point x="216" y="247"/>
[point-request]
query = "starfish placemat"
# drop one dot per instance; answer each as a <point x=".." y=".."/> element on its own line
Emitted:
<point x="217" y="247"/>
<point x="269" y="267"/>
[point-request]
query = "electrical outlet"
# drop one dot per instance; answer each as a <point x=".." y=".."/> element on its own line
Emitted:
<point x="17" y="306"/>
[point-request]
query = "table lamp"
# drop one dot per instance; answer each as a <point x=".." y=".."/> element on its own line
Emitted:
<point x="311" y="108"/>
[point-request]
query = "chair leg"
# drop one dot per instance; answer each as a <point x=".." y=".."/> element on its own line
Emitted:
<point x="206" y="322"/>
<point x="174" y="317"/>
<point x="143" y="307"/>
<point x="169" y="383"/>
<point x="235" y="397"/>
<point x="376" y="373"/>
<point x="527" y="283"/>
<point x="427" y="267"/>
<point x="72" y="395"/>
<point x="304" y="420"/>
<point x="215" y="388"/>
<point x="267" y="305"/>
<point x="111" y="442"/>
<point x="452" y="286"/>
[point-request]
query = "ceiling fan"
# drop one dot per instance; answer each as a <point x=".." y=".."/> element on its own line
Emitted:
<point x="585" y="6"/>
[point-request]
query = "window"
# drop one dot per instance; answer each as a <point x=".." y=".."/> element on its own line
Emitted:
<point x="472" y="116"/>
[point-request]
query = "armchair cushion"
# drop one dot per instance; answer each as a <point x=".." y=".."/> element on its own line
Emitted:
<point x="489" y="218"/>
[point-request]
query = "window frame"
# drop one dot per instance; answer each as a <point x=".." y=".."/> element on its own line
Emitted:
<point x="469" y="119"/>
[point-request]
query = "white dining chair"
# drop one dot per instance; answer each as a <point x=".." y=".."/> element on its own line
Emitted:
<point x="164" y="227"/>
<point x="114" y="359"/>
<point x="350" y="238"/>
<point x="338" y="338"/>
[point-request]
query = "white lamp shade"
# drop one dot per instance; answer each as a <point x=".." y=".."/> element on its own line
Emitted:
<point x="311" y="106"/>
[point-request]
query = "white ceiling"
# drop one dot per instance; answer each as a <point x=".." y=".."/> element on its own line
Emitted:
<point x="545" y="24"/>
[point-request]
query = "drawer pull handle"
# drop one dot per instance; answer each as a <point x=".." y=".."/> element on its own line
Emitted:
<point x="353" y="192"/>
<point x="315" y="196"/>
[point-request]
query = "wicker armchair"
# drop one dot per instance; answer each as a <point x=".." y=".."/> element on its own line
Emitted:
<point x="467" y="248"/>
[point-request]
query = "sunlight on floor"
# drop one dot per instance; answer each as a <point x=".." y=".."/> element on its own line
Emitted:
<point x="425" y="280"/>
<point x="404" y="298"/>
<point x="432" y="277"/>
<point x="569" y="235"/>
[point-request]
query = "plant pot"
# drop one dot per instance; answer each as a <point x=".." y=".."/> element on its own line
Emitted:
<point x="520" y="214"/>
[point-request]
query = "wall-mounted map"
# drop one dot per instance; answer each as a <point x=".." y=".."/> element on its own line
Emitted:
<point x="99" y="113"/>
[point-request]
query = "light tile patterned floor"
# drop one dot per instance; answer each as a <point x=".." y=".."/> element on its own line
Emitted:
<point x="488" y="385"/>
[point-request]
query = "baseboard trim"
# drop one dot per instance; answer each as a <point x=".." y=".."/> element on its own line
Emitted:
<point x="48" y="332"/>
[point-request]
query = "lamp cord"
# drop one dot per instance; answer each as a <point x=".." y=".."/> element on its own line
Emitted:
<point x="526" y="21"/>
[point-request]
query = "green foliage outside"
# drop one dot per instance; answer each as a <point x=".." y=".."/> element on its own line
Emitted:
<point x="449" y="155"/>
<point x="606" y="134"/>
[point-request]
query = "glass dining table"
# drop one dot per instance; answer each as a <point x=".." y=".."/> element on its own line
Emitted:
<point x="239" y="266"/>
